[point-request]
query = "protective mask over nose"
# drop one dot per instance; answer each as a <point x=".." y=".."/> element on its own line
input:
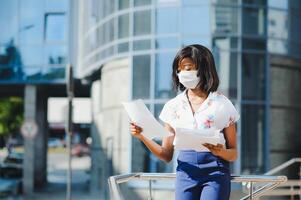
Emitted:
<point x="189" y="79"/>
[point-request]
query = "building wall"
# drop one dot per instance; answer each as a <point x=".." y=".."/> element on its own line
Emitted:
<point x="285" y="110"/>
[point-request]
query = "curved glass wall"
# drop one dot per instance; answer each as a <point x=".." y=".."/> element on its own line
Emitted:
<point x="33" y="47"/>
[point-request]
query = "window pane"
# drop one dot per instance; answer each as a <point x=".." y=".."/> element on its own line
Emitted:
<point x="282" y="4"/>
<point x="142" y="22"/>
<point x="33" y="73"/>
<point x="224" y="43"/>
<point x="253" y="126"/>
<point x="167" y="43"/>
<point x="142" y="45"/>
<point x="31" y="22"/>
<point x="253" y="76"/>
<point x="226" y="64"/>
<point x="141" y="76"/>
<point x="163" y="85"/>
<point x="8" y="20"/>
<point x="163" y="22"/>
<point x="32" y="55"/>
<point x="55" y="27"/>
<point x="225" y="20"/>
<point x="254" y="20"/>
<point x="57" y="5"/>
<point x="141" y="2"/>
<point x="278" y="24"/>
<point x="195" y="20"/>
<point x="123" y="47"/>
<point x="123" y="4"/>
<point x="123" y="26"/>
<point x="55" y="55"/>
<point x="254" y="44"/>
<point x="53" y="73"/>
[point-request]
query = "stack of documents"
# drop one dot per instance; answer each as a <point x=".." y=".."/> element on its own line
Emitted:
<point x="141" y="116"/>
<point x="192" y="139"/>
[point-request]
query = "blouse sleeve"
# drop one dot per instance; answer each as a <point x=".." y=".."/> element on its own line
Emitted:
<point x="167" y="114"/>
<point x="232" y="114"/>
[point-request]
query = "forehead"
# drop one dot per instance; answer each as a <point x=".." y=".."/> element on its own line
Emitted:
<point x="186" y="60"/>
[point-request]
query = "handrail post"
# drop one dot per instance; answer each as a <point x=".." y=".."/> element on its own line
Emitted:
<point x="251" y="190"/>
<point x="150" y="190"/>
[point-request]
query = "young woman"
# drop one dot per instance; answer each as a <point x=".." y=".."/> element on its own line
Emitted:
<point x="201" y="174"/>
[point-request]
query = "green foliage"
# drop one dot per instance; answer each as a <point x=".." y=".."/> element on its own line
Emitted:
<point x="11" y="115"/>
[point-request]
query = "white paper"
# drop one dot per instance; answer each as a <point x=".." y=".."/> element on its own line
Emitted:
<point x="139" y="114"/>
<point x="190" y="139"/>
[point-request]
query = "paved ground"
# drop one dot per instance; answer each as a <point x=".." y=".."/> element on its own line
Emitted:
<point x="57" y="176"/>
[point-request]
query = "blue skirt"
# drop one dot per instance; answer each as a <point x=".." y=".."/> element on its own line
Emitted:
<point x="201" y="175"/>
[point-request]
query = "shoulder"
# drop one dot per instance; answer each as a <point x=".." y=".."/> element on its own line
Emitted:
<point x="174" y="102"/>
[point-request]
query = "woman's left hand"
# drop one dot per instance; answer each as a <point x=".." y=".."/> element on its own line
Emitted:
<point x="215" y="149"/>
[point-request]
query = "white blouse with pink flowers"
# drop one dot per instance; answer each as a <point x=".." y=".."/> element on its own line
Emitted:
<point x="216" y="112"/>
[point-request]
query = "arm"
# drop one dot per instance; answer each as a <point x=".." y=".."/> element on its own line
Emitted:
<point x="229" y="153"/>
<point x="164" y="152"/>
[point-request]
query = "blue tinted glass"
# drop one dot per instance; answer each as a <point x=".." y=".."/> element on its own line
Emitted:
<point x="163" y="22"/>
<point x="195" y="20"/>
<point x="31" y="22"/>
<point x="54" y="72"/>
<point x="283" y="4"/>
<point x="167" y="43"/>
<point x="33" y="73"/>
<point x="55" y="54"/>
<point x="8" y="21"/>
<point x="32" y="55"/>
<point x="142" y="22"/>
<point x="163" y="85"/>
<point x="141" y="76"/>
<point x="55" y="27"/>
<point x="206" y="41"/>
<point x="57" y="5"/>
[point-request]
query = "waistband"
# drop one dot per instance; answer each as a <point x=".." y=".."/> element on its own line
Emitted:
<point x="202" y="158"/>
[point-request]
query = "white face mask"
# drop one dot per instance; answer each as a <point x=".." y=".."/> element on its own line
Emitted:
<point x="189" y="78"/>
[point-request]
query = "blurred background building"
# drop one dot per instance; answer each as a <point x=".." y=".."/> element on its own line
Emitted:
<point x="34" y="50"/>
<point x="126" y="50"/>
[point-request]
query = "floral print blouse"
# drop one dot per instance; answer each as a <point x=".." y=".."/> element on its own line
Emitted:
<point x="216" y="112"/>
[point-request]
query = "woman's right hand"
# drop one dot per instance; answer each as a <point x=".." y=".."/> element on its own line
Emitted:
<point x="136" y="130"/>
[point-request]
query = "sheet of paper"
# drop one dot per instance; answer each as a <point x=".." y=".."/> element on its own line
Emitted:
<point x="189" y="139"/>
<point x="139" y="114"/>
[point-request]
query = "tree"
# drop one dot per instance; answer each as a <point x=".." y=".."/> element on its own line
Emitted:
<point x="11" y="115"/>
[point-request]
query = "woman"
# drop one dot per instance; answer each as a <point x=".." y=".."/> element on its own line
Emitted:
<point x="202" y="174"/>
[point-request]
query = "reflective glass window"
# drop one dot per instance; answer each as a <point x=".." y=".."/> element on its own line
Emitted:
<point x="32" y="55"/>
<point x="55" y="27"/>
<point x="53" y="73"/>
<point x="278" y="24"/>
<point x="163" y="84"/>
<point x="31" y="22"/>
<point x="167" y="43"/>
<point x="282" y="4"/>
<point x="123" y="4"/>
<point x="8" y="21"/>
<point x="142" y="2"/>
<point x="123" y="47"/>
<point x="224" y="43"/>
<point x="226" y="64"/>
<point x="56" y="5"/>
<point x="142" y="22"/>
<point x="141" y="76"/>
<point x="254" y="21"/>
<point x="254" y="44"/>
<point x="225" y="20"/>
<point x="253" y="76"/>
<point x="195" y="20"/>
<point x="252" y="143"/>
<point x="163" y="22"/>
<point x="141" y="45"/>
<point x="123" y="26"/>
<point x="55" y="55"/>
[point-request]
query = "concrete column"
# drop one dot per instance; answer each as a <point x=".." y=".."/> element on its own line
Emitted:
<point x="35" y="155"/>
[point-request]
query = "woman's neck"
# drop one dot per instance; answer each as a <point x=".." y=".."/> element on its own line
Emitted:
<point x="196" y="93"/>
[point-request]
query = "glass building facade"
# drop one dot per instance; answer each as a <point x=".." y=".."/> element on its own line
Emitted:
<point x="242" y="34"/>
<point x="33" y="41"/>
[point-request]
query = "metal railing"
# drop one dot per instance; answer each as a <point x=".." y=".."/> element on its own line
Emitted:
<point x="271" y="183"/>
<point x="292" y="187"/>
